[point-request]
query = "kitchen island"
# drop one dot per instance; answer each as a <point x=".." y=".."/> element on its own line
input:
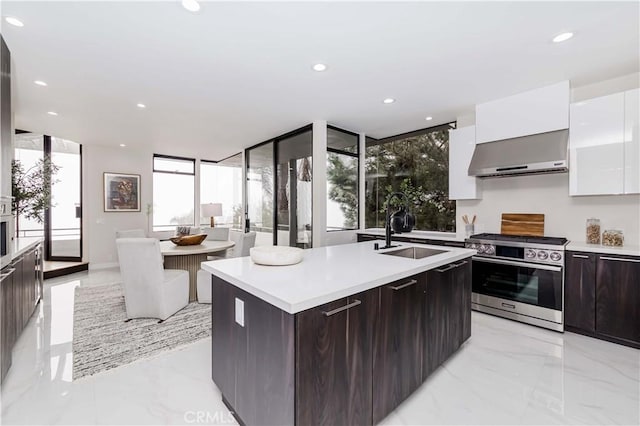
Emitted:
<point x="341" y="338"/>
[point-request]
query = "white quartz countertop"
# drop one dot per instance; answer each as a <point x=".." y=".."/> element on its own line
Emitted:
<point x="443" y="236"/>
<point x="598" y="248"/>
<point x="22" y="245"/>
<point x="327" y="273"/>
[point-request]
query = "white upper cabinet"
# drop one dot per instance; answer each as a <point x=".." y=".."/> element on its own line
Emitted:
<point x="604" y="148"/>
<point x="536" y="111"/>
<point x="462" y="142"/>
<point x="632" y="142"/>
<point x="596" y="149"/>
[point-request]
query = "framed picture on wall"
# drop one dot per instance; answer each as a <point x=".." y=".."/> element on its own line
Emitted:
<point x="121" y="192"/>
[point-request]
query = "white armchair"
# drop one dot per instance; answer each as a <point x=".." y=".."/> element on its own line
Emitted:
<point x="149" y="290"/>
<point x="131" y="233"/>
<point x="216" y="234"/>
<point x="243" y="243"/>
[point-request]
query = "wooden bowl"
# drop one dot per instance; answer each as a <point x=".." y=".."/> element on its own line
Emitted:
<point x="189" y="240"/>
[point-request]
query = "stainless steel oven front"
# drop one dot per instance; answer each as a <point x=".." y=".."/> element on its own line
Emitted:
<point x="519" y="290"/>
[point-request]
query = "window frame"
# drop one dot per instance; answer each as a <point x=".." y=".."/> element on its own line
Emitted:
<point x="194" y="174"/>
<point x="355" y="155"/>
<point x="370" y="142"/>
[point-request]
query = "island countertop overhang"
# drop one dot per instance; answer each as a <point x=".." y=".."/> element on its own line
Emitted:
<point x="327" y="273"/>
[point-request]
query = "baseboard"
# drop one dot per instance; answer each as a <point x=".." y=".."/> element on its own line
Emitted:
<point x="65" y="271"/>
<point x="623" y="342"/>
<point x="105" y="265"/>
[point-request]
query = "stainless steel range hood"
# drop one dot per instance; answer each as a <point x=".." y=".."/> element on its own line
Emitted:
<point x="533" y="154"/>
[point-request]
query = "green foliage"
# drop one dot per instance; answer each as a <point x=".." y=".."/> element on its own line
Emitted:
<point x="31" y="189"/>
<point x="419" y="166"/>
<point x="342" y="176"/>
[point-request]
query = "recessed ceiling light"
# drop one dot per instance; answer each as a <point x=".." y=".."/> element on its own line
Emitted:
<point x="429" y="118"/>
<point x="14" y="21"/>
<point x="40" y="83"/>
<point x="123" y="145"/>
<point x="52" y="113"/>
<point x="389" y="101"/>
<point x="191" y="5"/>
<point x="319" y="67"/>
<point x="562" y="37"/>
<point x="141" y="105"/>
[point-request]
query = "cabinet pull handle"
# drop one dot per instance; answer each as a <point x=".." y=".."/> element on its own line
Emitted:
<point x="580" y="256"/>
<point x="344" y="308"/>
<point x="464" y="262"/>
<point x="618" y="259"/>
<point x="449" y="266"/>
<point x="401" y="286"/>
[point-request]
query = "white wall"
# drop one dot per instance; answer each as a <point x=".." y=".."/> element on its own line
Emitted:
<point x="565" y="216"/>
<point x="100" y="226"/>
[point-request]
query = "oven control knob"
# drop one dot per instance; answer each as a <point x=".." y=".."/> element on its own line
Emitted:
<point x="530" y="254"/>
<point x="481" y="248"/>
<point x="543" y="254"/>
<point x="490" y="250"/>
<point x="555" y="256"/>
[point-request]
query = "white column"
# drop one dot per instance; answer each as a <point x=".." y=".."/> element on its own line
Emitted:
<point x="319" y="178"/>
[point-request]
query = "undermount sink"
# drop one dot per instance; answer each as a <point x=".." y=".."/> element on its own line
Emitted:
<point x="415" y="252"/>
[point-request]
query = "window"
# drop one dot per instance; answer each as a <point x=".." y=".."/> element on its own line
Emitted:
<point x="221" y="182"/>
<point x="342" y="180"/>
<point x="417" y="164"/>
<point x="173" y="192"/>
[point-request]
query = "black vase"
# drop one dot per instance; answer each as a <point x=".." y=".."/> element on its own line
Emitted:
<point x="402" y="221"/>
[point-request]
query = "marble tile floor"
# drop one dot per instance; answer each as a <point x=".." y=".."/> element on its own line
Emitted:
<point x="507" y="373"/>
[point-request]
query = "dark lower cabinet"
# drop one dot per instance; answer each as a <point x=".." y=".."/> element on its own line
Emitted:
<point x="21" y="290"/>
<point x="7" y="318"/>
<point x="602" y="296"/>
<point x="618" y="297"/>
<point x="348" y="362"/>
<point x="580" y="291"/>
<point x="333" y="357"/>
<point x="399" y="340"/>
<point x="448" y="313"/>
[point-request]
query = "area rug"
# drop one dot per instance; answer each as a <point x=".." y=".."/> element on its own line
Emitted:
<point x="102" y="340"/>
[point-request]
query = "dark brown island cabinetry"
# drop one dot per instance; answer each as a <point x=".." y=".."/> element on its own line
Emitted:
<point x="20" y="292"/>
<point x="347" y="362"/>
<point x="602" y="296"/>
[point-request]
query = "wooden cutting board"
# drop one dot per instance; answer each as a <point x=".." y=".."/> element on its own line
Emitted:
<point x="531" y="224"/>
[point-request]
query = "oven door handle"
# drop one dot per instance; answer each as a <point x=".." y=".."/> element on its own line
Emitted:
<point x="515" y="263"/>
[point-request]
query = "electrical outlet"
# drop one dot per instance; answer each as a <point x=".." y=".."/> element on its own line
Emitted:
<point x="240" y="312"/>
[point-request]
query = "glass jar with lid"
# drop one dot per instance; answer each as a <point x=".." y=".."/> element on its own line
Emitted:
<point x="613" y="237"/>
<point x="593" y="231"/>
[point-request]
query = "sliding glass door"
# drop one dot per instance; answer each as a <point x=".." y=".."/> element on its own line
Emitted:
<point x="279" y="181"/>
<point x="60" y="223"/>
<point x="293" y="180"/>
<point x="260" y="198"/>
<point x="65" y="214"/>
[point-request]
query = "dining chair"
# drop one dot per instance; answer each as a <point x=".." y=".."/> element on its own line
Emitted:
<point x="243" y="243"/>
<point x="217" y="233"/>
<point x="131" y="233"/>
<point x="150" y="291"/>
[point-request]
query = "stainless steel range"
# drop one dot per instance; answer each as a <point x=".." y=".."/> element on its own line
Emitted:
<point x="519" y="278"/>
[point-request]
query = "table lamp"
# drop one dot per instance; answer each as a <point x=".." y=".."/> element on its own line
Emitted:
<point x="211" y="210"/>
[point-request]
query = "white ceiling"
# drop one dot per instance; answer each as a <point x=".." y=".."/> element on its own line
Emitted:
<point x="238" y="73"/>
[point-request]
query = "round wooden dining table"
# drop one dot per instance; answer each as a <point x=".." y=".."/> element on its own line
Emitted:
<point x="189" y="258"/>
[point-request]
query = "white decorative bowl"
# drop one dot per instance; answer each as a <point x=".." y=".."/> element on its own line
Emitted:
<point x="275" y="255"/>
